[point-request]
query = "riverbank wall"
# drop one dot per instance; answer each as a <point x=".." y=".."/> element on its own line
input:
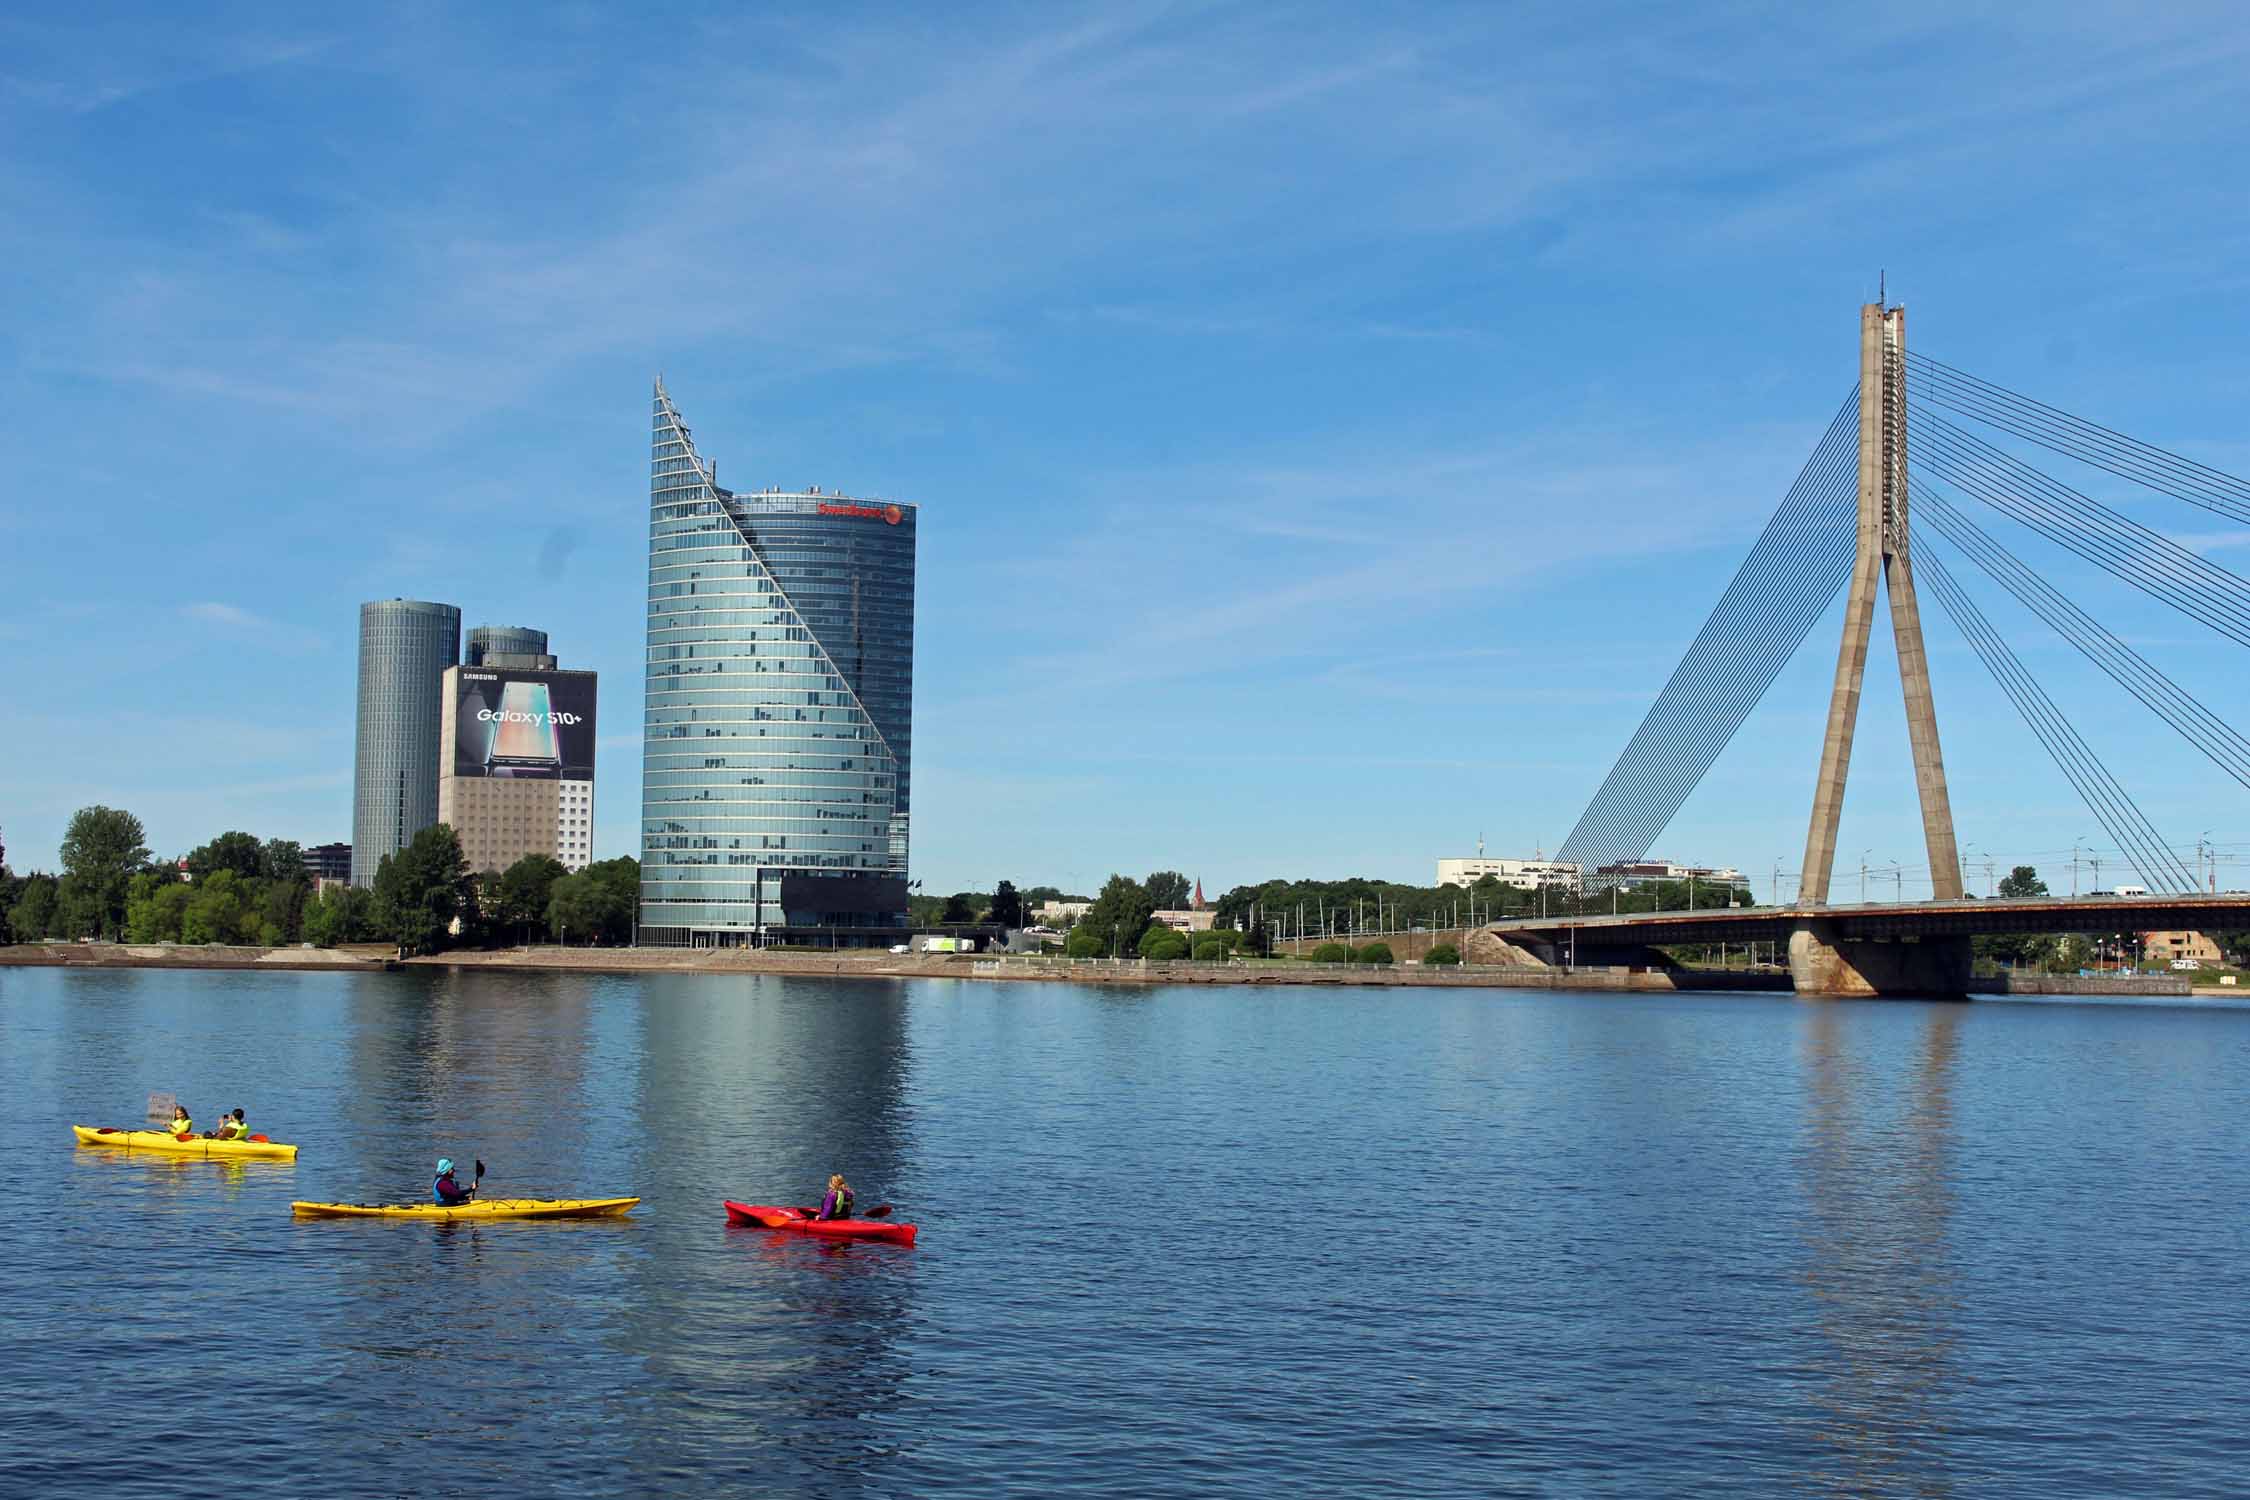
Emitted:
<point x="867" y="964"/>
<point x="189" y="956"/>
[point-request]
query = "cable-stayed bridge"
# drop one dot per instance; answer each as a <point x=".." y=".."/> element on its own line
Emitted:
<point x="1843" y="528"/>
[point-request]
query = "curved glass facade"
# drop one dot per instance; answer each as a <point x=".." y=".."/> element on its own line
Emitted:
<point x="504" y="640"/>
<point x="405" y="645"/>
<point x="779" y="712"/>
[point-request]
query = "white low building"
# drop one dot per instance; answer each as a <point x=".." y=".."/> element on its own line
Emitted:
<point x="1523" y="874"/>
<point x="1632" y="874"/>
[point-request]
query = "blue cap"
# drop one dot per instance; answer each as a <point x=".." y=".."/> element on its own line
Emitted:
<point x="444" y="1165"/>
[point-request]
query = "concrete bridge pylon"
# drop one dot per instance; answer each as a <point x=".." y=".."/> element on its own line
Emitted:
<point x="1819" y="962"/>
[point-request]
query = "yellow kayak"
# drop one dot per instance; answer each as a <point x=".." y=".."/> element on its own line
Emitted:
<point x="483" y="1208"/>
<point x="172" y="1145"/>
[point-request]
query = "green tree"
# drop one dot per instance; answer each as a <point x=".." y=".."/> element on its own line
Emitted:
<point x="280" y="908"/>
<point x="282" y="859"/>
<point x="32" y="915"/>
<point x="1119" y="915"/>
<point x="420" y="890"/>
<point x="101" y="851"/>
<point x="1162" y="944"/>
<point x="1007" y="906"/>
<point x="154" y="905"/>
<point x="1442" y="954"/>
<point x="524" y="891"/>
<point x="1373" y="953"/>
<point x="1332" y="953"/>
<point x="341" y="914"/>
<point x="1210" y="950"/>
<point x="597" y="904"/>
<point x="2023" y="880"/>
<point x="1258" y="940"/>
<point x="960" y="909"/>
<point x="214" y="912"/>
<point x="234" y="850"/>
<point x="1168" y="889"/>
<point x="1084" y="944"/>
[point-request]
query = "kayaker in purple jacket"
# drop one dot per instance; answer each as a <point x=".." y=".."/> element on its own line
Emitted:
<point x="445" y="1190"/>
<point x="838" y="1203"/>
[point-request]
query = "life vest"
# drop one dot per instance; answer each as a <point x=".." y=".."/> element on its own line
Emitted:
<point x="842" y="1198"/>
<point x="438" y="1193"/>
<point x="183" y="1127"/>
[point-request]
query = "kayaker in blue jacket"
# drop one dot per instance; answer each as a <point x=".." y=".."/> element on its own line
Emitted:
<point x="838" y="1203"/>
<point x="445" y="1190"/>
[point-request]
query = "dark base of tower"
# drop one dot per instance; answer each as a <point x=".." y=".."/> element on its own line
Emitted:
<point x="1825" y="966"/>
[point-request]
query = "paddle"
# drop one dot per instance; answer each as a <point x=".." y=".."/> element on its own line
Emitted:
<point x="479" y="1182"/>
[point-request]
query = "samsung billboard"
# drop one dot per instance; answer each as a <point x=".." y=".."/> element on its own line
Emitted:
<point x="529" y="725"/>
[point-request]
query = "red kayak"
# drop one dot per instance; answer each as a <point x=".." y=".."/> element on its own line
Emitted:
<point x="801" y="1220"/>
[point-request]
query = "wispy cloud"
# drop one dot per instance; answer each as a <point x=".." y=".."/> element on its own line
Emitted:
<point x="213" y="612"/>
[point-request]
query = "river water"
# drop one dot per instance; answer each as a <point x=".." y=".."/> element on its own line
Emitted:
<point x="1173" y="1242"/>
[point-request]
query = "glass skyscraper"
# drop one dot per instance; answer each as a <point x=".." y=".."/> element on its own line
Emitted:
<point x="405" y="645"/>
<point x="504" y="640"/>
<point x="780" y="708"/>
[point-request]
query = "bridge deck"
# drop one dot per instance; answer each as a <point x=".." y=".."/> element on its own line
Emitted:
<point x="1907" y="919"/>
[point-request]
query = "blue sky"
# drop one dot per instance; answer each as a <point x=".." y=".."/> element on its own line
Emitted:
<point x="1330" y="424"/>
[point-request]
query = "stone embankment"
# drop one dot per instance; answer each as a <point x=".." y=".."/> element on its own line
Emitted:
<point x="865" y="964"/>
<point x="188" y="956"/>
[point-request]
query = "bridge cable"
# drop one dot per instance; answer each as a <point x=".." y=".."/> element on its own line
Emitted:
<point x="1792" y="574"/>
<point x="2152" y="563"/>
<point x="1674" y="755"/>
<point x="2094" y="530"/>
<point x="1662" y="769"/>
<point x="2226" y="747"/>
<point x="2100" y="790"/>
<point x="2058" y="431"/>
<point x="1671" y="768"/>
<point x="1675" y="736"/>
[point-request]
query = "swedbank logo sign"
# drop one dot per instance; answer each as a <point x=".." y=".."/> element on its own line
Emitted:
<point x="892" y="514"/>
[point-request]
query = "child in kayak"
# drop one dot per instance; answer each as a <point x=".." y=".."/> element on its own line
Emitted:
<point x="445" y="1190"/>
<point x="838" y="1203"/>
<point x="181" y="1124"/>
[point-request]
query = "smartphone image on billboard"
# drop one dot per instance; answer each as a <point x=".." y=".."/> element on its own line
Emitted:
<point x="523" y="739"/>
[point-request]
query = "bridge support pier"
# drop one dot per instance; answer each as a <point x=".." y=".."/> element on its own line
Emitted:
<point x="1826" y="966"/>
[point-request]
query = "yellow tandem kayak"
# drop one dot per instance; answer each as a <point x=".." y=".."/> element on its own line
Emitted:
<point x="172" y="1145"/>
<point x="483" y="1208"/>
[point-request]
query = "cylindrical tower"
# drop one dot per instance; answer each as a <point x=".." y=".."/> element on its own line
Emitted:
<point x="504" y="640"/>
<point x="405" y="645"/>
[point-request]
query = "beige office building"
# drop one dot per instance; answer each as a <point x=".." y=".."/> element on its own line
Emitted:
<point x="517" y="763"/>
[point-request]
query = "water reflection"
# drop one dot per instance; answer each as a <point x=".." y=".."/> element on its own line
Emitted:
<point x="1879" y="1178"/>
<point x="783" y="1343"/>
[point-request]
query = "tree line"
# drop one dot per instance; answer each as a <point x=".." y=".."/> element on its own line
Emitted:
<point x="1004" y="906"/>
<point x="239" y="888"/>
<point x="1121" y="923"/>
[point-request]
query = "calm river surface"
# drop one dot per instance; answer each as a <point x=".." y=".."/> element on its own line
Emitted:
<point x="1174" y="1242"/>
